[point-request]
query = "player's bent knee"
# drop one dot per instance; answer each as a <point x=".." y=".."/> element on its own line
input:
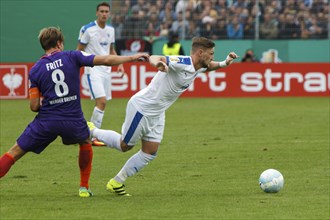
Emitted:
<point x="125" y="147"/>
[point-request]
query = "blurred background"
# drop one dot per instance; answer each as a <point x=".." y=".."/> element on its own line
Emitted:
<point x="258" y="30"/>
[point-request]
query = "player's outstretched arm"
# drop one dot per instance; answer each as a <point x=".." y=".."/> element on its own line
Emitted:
<point x="229" y="60"/>
<point x="113" y="60"/>
<point x="159" y="62"/>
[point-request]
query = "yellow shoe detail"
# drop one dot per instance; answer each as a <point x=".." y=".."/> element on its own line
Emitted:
<point x="91" y="125"/>
<point x="84" y="192"/>
<point x="117" y="188"/>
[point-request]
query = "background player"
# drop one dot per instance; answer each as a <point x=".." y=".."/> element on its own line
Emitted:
<point x="145" y="111"/>
<point x="98" y="38"/>
<point x="56" y="76"/>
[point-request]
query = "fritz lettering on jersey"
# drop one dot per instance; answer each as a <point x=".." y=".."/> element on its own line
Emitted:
<point x="54" y="65"/>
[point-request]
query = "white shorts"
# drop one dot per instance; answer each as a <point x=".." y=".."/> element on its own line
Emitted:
<point x="137" y="126"/>
<point x="99" y="83"/>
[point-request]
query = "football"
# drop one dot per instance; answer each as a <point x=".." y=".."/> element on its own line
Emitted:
<point x="271" y="181"/>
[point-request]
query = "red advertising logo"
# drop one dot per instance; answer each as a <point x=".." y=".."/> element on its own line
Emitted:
<point x="13" y="81"/>
<point x="238" y="80"/>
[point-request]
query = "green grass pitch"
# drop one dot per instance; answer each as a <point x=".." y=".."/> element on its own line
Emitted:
<point x="207" y="167"/>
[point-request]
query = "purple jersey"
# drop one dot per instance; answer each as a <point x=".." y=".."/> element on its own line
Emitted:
<point x="57" y="77"/>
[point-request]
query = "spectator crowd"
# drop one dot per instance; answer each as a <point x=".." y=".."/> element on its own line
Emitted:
<point x="221" y="19"/>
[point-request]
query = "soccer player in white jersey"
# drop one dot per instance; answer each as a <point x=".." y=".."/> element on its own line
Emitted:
<point x="145" y="111"/>
<point x="98" y="38"/>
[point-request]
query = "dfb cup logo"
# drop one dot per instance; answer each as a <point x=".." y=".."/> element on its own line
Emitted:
<point x="13" y="81"/>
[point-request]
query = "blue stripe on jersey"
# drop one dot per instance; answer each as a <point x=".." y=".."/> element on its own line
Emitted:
<point x="185" y="60"/>
<point x="90" y="85"/>
<point x="88" y="26"/>
<point x="136" y="120"/>
<point x="167" y="60"/>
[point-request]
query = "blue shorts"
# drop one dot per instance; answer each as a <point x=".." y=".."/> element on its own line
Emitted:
<point x="40" y="133"/>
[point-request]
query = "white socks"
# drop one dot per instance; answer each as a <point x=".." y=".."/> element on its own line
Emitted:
<point x="134" y="165"/>
<point x="97" y="117"/>
<point x="109" y="137"/>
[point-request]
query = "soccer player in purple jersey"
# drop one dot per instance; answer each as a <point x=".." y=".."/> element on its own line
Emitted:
<point x="55" y="94"/>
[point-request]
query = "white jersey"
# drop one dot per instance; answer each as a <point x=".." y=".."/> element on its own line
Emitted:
<point x="98" y="41"/>
<point x="165" y="88"/>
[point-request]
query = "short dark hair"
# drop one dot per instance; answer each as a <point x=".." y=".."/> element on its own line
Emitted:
<point x="102" y="4"/>
<point x="202" y="42"/>
<point x="49" y="37"/>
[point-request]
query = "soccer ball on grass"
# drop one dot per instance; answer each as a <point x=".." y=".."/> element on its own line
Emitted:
<point x="271" y="181"/>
